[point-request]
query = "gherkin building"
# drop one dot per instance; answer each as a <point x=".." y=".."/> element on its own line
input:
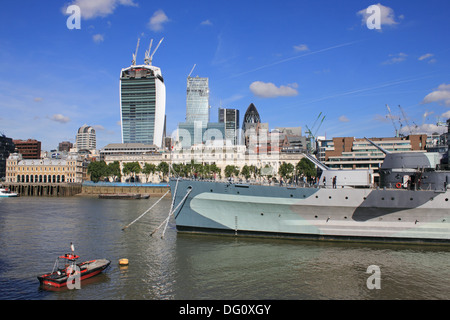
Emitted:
<point x="251" y="116"/>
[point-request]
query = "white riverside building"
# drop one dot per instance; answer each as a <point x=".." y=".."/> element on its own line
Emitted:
<point x="218" y="154"/>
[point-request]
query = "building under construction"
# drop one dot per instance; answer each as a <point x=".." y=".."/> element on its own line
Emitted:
<point x="143" y="101"/>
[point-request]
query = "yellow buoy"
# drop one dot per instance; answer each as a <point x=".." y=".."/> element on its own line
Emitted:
<point x="123" y="262"/>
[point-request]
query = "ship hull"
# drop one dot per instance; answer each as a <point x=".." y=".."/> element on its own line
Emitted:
<point x="312" y="213"/>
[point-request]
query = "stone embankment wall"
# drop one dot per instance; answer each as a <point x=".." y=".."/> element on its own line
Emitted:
<point x="143" y="190"/>
<point x="72" y="189"/>
<point x="45" y="189"/>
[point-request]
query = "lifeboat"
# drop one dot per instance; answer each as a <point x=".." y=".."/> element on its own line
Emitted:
<point x="66" y="269"/>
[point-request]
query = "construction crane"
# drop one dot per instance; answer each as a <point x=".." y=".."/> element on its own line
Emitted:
<point x="405" y="118"/>
<point x="147" y="53"/>
<point x="148" y="56"/>
<point x="397" y="132"/>
<point x="133" y="62"/>
<point x="192" y="71"/>
<point x="312" y="135"/>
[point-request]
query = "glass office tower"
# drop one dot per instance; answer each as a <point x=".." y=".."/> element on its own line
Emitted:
<point x="142" y="105"/>
<point x="197" y="100"/>
<point x="230" y="117"/>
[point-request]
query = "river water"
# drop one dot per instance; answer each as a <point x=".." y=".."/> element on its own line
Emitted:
<point x="35" y="230"/>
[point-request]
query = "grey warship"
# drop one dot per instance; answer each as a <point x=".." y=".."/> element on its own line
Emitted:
<point x="411" y="204"/>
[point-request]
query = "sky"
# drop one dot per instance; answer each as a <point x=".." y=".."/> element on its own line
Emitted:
<point x="294" y="60"/>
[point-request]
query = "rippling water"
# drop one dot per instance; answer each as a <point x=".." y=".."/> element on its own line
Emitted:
<point x="34" y="230"/>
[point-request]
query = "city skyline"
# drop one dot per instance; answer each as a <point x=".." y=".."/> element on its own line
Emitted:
<point x="291" y="59"/>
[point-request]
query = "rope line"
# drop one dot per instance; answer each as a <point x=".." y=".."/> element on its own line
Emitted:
<point x="147" y="210"/>
<point x="166" y="221"/>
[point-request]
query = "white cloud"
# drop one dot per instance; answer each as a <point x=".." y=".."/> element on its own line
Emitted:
<point x="425" y="56"/>
<point x="157" y="20"/>
<point x="440" y="95"/>
<point x="344" y="119"/>
<point x="98" y="38"/>
<point x="387" y="16"/>
<point x="301" y="47"/>
<point x="426" y="128"/>
<point x="269" y="90"/>
<point x="446" y="114"/>
<point x="428" y="57"/>
<point x="98" y="127"/>
<point x="59" y="118"/>
<point x="396" y="58"/>
<point x="207" y="22"/>
<point x="99" y="8"/>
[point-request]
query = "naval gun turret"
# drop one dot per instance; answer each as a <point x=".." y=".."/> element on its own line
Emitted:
<point x="412" y="170"/>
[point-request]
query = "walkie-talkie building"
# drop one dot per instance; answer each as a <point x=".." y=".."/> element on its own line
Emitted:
<point x="142" y="103"/>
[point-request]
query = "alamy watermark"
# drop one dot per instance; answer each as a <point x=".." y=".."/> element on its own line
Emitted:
<point x="74" y="20"/>
<point x="373" y="20"/>
<point x="74" y="277"/>
<point x="374" y="281"/>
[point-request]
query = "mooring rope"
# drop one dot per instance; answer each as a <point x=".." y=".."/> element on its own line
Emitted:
<point x="166" y="221"/>
<point x="146" y="211"/>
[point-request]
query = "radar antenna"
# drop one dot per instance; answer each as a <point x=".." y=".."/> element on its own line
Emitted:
<point x="133" y="62"/>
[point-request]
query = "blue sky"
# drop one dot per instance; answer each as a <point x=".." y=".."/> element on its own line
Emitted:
<point x="292" y="59"/>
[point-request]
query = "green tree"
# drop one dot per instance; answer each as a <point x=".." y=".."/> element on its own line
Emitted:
<point x="131" y="168"/>
<point x="215" y="169"/>
<point x="246" y="171"/>
<point x="114" y="171"/>
<point x="231" y="171"/>
<point x="97" y="170"/>
<point x="178" y="169"/>
<point x="306" y="168"/>
<point x="163" y="168"/>
<point x="286" y="170"/>
<point x="149" y="168"/>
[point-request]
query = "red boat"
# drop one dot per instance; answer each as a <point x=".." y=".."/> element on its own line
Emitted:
<point x="66" y="266"/>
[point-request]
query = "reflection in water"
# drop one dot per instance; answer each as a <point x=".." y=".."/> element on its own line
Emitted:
<point x="33" y="231"/>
